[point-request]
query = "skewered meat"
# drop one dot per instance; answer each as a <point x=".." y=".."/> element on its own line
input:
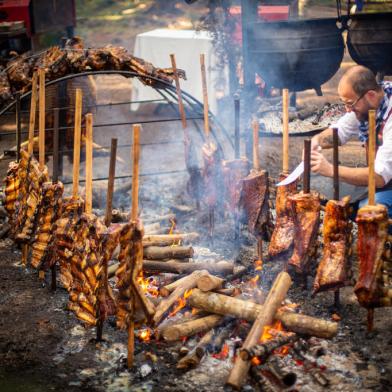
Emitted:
<point x="233" y="174"/>
<point x="64" y="238"/>
<point x="74" y="58"/>
<point x="212" y="174"/>
<point x="305" y="209"/>
<point x="5" y="88"/>
<point x="49" y="211"/>
<point x="54" y="62"/>
<point x="12" y="184"/>
<point x="20" y="72"/>
<point x="333" y="269"/>
<point x="283" y="235"/>
<point x="254" y="199"/>
<point x="131" y="267"/>
<point x="29" y="196"/>
<point x="372" y="234"/>
<point x="87" y="269"/>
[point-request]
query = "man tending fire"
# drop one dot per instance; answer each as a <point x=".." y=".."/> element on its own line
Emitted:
<point x="360" y="92"/>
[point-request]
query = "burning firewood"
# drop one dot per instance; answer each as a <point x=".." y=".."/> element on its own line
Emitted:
<point x="247" y="310"/>
<point x="274" y="299"/>
<point x="194" y="357"/>
<point x="332" y="270"/>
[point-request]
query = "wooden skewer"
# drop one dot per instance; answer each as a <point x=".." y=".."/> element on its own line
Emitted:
<point x="178" y="89"/>
<point x="306" y="180"/>
<point x="33" y="110"/>
<point x="41" y="135"/>
<point x="372" y="188"/>
<point x="135" y="171"/>
<point x="25" y="252"/>
<point x="77" y="132"/>
<point x="336" y="193"/>
<point x="256" y="166"/>
<point x="205" y="94"/>
<point x="134" y="216"/>
<point x="18" y="126"/>
<point x="89" y="163"/>
<point x="112" y="172"/>
<point x="285" y="98"/>
<point x="256" y="162"/>
<point x="371" y="157"/>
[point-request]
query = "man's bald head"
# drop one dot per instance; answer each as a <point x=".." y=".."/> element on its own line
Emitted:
<point x="360" y="79"/>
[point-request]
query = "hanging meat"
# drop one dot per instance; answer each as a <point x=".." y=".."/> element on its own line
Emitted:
<point x="54" y="62"/>
<point x="283" y="235"/>
<point x="5" y="88"/>
<point x="65" y="229"/>
<point x="212" y="174"/>
<point x="131" y="267"/>
<point x="372" y="235"/>
<point x="333" y="270"/>
<point x="20" y="71"/>
<point x="29" y="197"/>
<point x="305" y="210"/>
<point x="49" y="211"/>
<point x="11" y="191"/>
<point x="87" y="270"/>
<point x="233" y="173"/>
<point x="255" y="201"/>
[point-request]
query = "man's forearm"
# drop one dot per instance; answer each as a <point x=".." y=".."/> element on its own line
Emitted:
<point x="325" y="139"/>
<point x="358" y="176"/>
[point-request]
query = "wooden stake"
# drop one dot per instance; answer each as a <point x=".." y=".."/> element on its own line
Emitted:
<point x="285" y="99"/>
<point x="112" y="173"/>
<point x="89" y="163"/>
<point x="135" y="171"/>
<point x="77" y="134"/>
<point x="205" y="95"/>
<point x="178" y="89"/>
<point x="55" y="170"/>
<point x="33" y="110"/>
<point x="306" y="180"/>
<point x="25" y="252"/>
<point x="41" y="135"/>
<point x="255" y="128"/>
<point x="371" y="157"/>
<point x="131" y="342"/>
<point x="18" y="126"/>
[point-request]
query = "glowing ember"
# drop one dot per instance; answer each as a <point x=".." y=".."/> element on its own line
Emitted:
<point x="223" y="353"/>
<point x="181" y="303"/>
<point x="258" y="265"/>
<point x="171" y="231"/>
<point x="254" y="280"/>
<point x="144" y="335"/>
<point x="255" y="361"/>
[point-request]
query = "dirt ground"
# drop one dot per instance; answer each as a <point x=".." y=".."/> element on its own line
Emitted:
<point x="43" y="347"/>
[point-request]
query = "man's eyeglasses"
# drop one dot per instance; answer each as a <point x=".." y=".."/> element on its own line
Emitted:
<point x="352" y="105"/>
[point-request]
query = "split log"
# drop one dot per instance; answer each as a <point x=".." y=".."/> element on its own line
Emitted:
<point x="167" y="303"/>
<point x="167" y="252"/>
<point x="191" y="327"/>
<point x="194" y="357"/>
<point x="168" y="239"/>
<point x="248" y="310"/>
<point x="209" y="282"/>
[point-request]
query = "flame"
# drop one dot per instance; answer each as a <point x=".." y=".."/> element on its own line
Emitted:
<point x="258" y="265"/>
<point x="269" y="332"/>
<point x="149" y="286"/>
<point x="144" y="335"/>
<point x="254" y="280"/>
<point x="223" y="353"/>
<point x="173" y="226"/>
<point x="181" y="303"/>
<point x="255" y="361"/>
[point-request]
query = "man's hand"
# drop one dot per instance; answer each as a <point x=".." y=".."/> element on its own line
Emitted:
<point x="320" y="165"/>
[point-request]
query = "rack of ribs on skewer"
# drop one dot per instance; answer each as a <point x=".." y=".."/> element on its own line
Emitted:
<point x="29" y="197"/>
<point x="283" y="235"/>
<point x="65" y="229"/>
<point x="212" y="174"/>
<point x="332" y="272"/>
<point x="305" y="210"/>
<point x="87" y="270"/>
<point x="233" y="173"/>
<point x="12" y="185"/>
<point x="255" y="201"/>
<point x="372" y="235"/>
<point x="49" y="211"/>
<point x="130" y="268"/>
